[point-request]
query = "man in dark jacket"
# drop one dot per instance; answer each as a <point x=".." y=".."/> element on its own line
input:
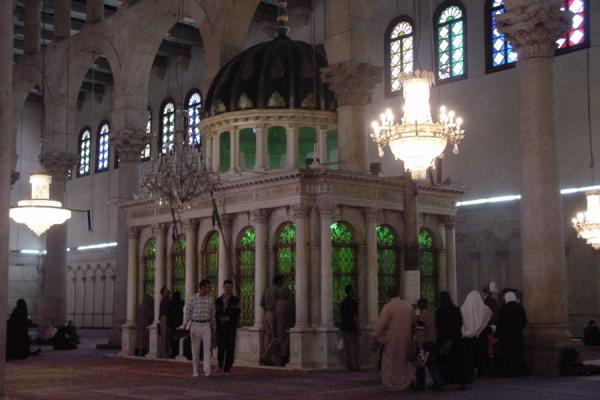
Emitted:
<point x="349" y="328"/>
<point x="227" y="308"/>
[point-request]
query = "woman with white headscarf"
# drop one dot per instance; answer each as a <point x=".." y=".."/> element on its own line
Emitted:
<point x="511" y="323"/>
<point x="476" y="317"/>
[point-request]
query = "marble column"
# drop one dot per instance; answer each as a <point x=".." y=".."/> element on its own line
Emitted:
<point x="322" y="145"/>
<point x="315" y="267"/>
<point x="225" y="246"/>
<point x="32" y="26"/>
<point x="261" y="148"/>
<point x="190" y="229"/>
<point x="94" y="11"/>
<point x="129" y="328"/>
<point x="216" y="155"/>
<point x="352" y="84"/>
<point x="259" y="219"/>
<point x="292" y="146"/>
<point x="373" y="216"/>
<point x="451" y="282"/>
<point x="54" y="286"/>
<point x="234" y="153"/>
<point x="159" y="233"/>
<point x="533" y="27"/>
<point x="62" y="19"/>
<point x="412" y="272"/>
<point x="6" y="129"/>
<point x="475" y="258"/>
<point x="326" y="353"/>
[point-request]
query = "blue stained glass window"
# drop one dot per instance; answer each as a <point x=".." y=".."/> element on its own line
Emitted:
<point x="103" y="153"/>
<point x="193" y="117"/>
<point x="502" y="53"/>
<point x="147" y="151"/>
<point x="167" y="127"/>
<point x="85" y="143"/>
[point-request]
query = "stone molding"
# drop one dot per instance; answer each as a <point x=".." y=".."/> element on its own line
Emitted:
<point x="352" y="82"/>
<point x="533" y="26"/>
<point x="326" y="209"/>
<point x="259" y="216"/>
<point x="134" y="232"/>
<point x="299" y="211"/>
<point x="189" y="225"/>
<point x="159" y="230"/>
<point x="58" y="163"/>
<point x="129" y="143"/>
<point x="373" y="214"/>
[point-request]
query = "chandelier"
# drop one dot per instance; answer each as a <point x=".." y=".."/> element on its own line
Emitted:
<point x="39" y="213"/>
<point x="587" y="223"/>
<point x="417" y="140"/>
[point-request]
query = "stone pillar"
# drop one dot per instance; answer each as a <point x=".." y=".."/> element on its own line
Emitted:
<point x="159" y="233"/>
<point x="6" y="129"/>
<point x="261" y="148"/>
<point x="533" y="27"/>
<point x="373" y="216"/>
<point x="94" y="11"/>
<point x="326" y="353"/>
<point x="352" y="84"/>
<point x="191" y="279"/>
<point x="129" y="328"/>
<point x="503" y="265"/>
<point x="412" y="271"/>
<point x="216" y="156"/>
<point x="54" y="285"/>
<point x="451" y="283"/>
<point x="207" y="149"/>
<point x="259" y="221"/>
<point x="475" y="258"/>
<point x="32" y="28"/>
<point x="322" y="145"/>
<point x="315" y="268"/>
<point x="235" y="150"/>
<point x="292" y="146"/>
<point x="224" y="253"/>
<point x="62" y="19"/>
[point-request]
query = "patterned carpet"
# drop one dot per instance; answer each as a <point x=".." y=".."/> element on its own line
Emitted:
<point x="95" y="374"/>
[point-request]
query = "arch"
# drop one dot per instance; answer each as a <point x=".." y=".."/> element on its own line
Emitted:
<point x="210" y="264"/>
<point x="149" y="263"/>
<point x="388" y="261"/>
<point x="428" y="266"/>
<point x="247" y="148"/>
<point x="399" y="52"/>
<point x="103" y="147"/>
<point x="276" y="147"/>
<point x="285" y="255"/>
<point x="166" y="138"/>
<point x="147" y="151"/>
<point x="178" y="263"/>
<point x="84" y="152"/>
<point x="344" y="264"/>
<point x="577" y="36"/>
<point x="307" y="143"/>
<point x="450" y="29"/>
<point x="245" y="248"/>
<point x="193" y="103"/>
<point x="499" y="52"/>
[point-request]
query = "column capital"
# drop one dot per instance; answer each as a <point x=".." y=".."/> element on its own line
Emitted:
<point x="502" y="254"/>
<point x="189" y="225"/>
<point x="129" y="143"/>
<point x="326" y="209"/>
<point x="226" y="220"/>
<point x="159" y="229"/>
<point x="352" y="82"/>
<point x="532" y="27"/>
<point x="299" y="211"/>
<point x="373" y="214"/>
<point x="259" y="216"/>
<point x="450" y="222"/>
<point x="475" y="256"/>
<point x="58" y="163"/>
<point x="134" y="232"/>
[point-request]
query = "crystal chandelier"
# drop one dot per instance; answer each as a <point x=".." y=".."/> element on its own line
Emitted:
<point x="587" y="223"/>
<point x="39" y="213"/>
<point x="417" y="140"/>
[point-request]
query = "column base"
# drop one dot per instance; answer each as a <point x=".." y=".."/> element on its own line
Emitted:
<point x="301" y="348"/>
<point x="543" y="344"/>
<point x="128" y="339"/>
<point x="368" y="359"/>
<point x="326" y="353"/>
<point x="153" y="341"/>
<point x="249" y="345"/>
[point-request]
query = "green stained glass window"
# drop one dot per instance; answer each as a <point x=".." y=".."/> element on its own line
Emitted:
<point x="332" y="149"/>
<point x="285" y="257"/>
<point x="149" y="266"/>
<point x="387" y="262"/>
<point x="343" y="265"/>
<point x="178" y="273"/>
<point x="247" y="148"/>
<point x="450" y="39"/>
<point x="246" y="255"/>
<point x="224" y="152"/>
<point x="428" y="266"/>
<point x="307" y="140"/>
<point x="276" y="147"/>
<point x="210" y="266"/>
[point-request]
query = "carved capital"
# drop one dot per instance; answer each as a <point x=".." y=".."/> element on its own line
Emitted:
<point x="450" y="222"/>
<point x="129" y="143"/>
<point x="475" y="256"/>
<point x="189" y="225"/>
<point x="299" y="211"/>
<point x="533" y="26"/>
<point x="326" y="209"/>
<point x="352" y="82"/>
<point x="159" y="230"/>
<point x="373" y="214"/>
<point x="134" y="232"/>
<point x="502" y="254"/>
<point x="259" y="216"/>
<point x="57" y="163"/>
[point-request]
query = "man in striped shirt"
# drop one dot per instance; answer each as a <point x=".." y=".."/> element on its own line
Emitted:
<point x="199" y="315"/>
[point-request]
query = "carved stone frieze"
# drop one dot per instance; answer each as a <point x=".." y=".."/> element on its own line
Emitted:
<point x="374" y="214"/>
<point x="259" y="216"/>
<point x="352" y="82"/>
<point x="129" y="143"/>
<point x="299" y="211"/>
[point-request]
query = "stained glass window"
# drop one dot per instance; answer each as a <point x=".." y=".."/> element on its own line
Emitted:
<point x="388" y="272"/>
<point x="307" y="141"/>
<point x="450" y="39"/>
<point x="149" y="266"/>
<point x="178" y="274"/>
<point x="167" y="127"/>
<point x="399" y="43"/>
<point x="103" y="151"/>
<point x="428" y="267"/>
<point x="194" y="103"/>
<point x="285" y="256"/>
<point x="343" y="265"/>
<point x="500" y="52"/>
<point x="210" y="266"/>
<point x="247" y="148"/>
<point x="276" y="147"/>
<point x="577" y="35"/>
<point x="246" y="256"/>
<point x="147" y="151"/>
<point x="85" y="144"/>
<point x="224" y="152"/>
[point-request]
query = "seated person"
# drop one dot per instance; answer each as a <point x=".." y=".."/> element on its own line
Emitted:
<point x="72" y="331"/>
<point x="591" y="334"/>
<point x="62" y="340"/>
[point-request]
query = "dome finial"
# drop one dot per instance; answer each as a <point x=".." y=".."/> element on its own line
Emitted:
<point x="282" y="18"/>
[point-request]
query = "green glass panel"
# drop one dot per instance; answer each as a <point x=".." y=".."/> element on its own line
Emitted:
<point x="307" y="139"/>
<point x="149" y="267"/>
<point x="224" y="152"/>
<point x="343" y="265"/>
<point x="178" y="277"/>
<point x="286" y="256"/>
<point x="387" y="262"/>
<point x="428" y="267"/>
<point x="276" y="147"/>
<point x="211" y="265"/>
<point x="246" y="253"/>
<point x="332" y="148"/>
<point x="247" y="148"/>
